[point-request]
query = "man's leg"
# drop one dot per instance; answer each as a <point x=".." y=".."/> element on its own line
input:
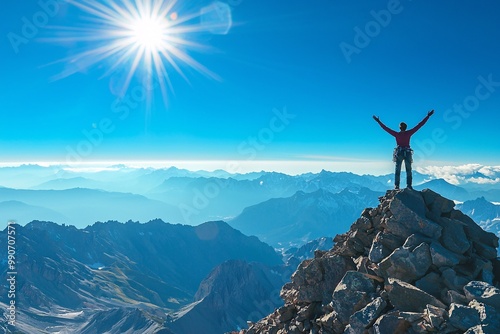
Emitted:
<point x="397" y="172"/>
<point x="409" y="176"/>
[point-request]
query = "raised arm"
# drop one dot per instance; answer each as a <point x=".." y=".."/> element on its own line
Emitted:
<point x="390" y="131"/>
<point x="422" y="122"/>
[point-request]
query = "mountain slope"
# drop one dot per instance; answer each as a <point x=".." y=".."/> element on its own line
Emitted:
<point x="154" y="266"/>
<point x="304" y="216"/>
<point x="446" y="189"/>
<point x="23" y="213"/>
<point x="232" y="292"/>
<point x="83" y="207"/>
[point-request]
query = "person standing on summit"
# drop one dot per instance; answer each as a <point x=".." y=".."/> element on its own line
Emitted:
<point x="403" y="151"/>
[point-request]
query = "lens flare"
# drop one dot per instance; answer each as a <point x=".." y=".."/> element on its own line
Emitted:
<point x="146" y="36"/>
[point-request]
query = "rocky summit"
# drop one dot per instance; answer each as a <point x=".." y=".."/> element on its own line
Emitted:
<point x="414" y="264"/>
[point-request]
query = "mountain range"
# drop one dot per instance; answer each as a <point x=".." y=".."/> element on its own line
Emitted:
<point x="285" y="222"/>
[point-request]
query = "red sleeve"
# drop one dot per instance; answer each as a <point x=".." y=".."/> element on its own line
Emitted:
<point x="390" y="131"/>
<point x="419" y="125"/>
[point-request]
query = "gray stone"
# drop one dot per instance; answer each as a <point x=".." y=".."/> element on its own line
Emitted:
<point x="485" y="251"/>
<point x="363" y="223"/>
<point x="463" y="317"/>
<point x="437" y="203"/>
<point x="452" y="296"/>
<point x="405" y="222"/>
<point x="431" y="283"/>
<point x="483" y="292"/>
<point x="314" y="280"/>
<point x="408" y="298"/>
<point x="413" y="200"/>
<point x="354" y="292"/>
<point x="434" y="316"/>
<point x="286" y="313"/>
<point x="474" y="231"/>
<point x="391" y="324"/>
<point x="415" y="240"/>
<point x="453" y="236"/>
<point x="406" y="265"/>
<point x="389" y="240"/>
<point x="441" y="257"/>
<point x="488" y="314"/>
<point x="366" y="316"/>
<point x="378" y="252"/>
<point x="452" y="280"/>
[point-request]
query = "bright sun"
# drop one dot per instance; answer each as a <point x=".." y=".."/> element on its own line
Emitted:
<point x="149" y="32"/>
<point x="145" y="36"/>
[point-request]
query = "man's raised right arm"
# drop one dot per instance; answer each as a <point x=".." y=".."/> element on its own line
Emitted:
<point x="390" y="131"/>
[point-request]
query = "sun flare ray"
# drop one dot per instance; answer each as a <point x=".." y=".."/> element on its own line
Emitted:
<point x="144" y="37"/>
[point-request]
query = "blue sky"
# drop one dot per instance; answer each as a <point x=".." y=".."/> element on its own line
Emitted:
<point x="297" y="83"/>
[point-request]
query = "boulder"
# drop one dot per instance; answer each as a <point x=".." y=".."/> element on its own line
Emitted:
<point x="489" y="316"/>
<point x="483" y="292"/>
<point x="314" y="280"/>
<point x="482" y="249"/>
<point x="452" y="296"/>
<point x="365" y="317"/>
<point x="437" y="203"/>
<point x="416" y="239"/>
<point x="452" y="280"/>
<point x="406" y="265"/>
<point x="407" y="298"/>
<point x="434" y="316"/>
<point x="453" y="236"/>
<point x="441" y="257"/>
<point x="354" y="292"/>
<point x="473" y="231"/>
<point x="431" y="283"/>
<point x="391" y="324"/>
<point x="463" y="317"/>
<point x="409" y="217"/>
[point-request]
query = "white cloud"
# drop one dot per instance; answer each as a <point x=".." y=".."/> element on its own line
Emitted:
<point x="463" y="173"/>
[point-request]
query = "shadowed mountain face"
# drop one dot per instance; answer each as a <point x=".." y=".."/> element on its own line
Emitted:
<point x="413" y="264"/>
<point x="112" y="265"/>
<point x="231" y="294"/>
<point x="295" y="220"/>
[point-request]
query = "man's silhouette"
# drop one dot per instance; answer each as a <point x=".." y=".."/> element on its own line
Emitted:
<point x="403" y="151"/>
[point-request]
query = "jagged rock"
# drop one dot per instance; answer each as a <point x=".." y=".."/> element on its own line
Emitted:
<point x="452" y="280"/>
<point x="378" y="251"/>
<point x="441" y="257"/>
<point x="406" y="297"/>
<point x="482" y="329"/>
<point x="463" y="317"/>
<point x="425" y="252"/>
<point x="487" y="314"/>
<point x="485" y="250"/>
<point x="453" y="236"/>
<point x="452" y="296"/>
<point x="354" y="292"/>
<point x="406" y="265"/>
<point x="365" y="317"/>
<point x="307" y="312"/>
<point x="315" y="280"/>
<point x="473" y="231"/>
<point x="416" y="239"/>
<point x="409" y="216"/>
<point x="391" y="324"/>
<point x="431" y="283"/>
<point x="434" y="316"/>
<point x="286" y="313"/>
<point x="437" y="203"/>
<point x="483" y="292"/>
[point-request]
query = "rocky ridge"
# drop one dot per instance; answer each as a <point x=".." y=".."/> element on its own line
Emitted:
<point x="413" y="264"/>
